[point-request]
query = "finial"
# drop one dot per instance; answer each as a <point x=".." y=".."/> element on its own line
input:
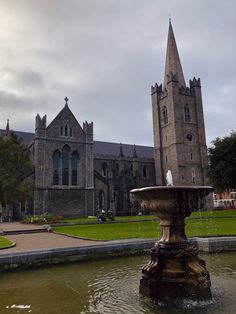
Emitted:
<point x="121" y="154"/>
<point x="169" y="18"/>
<point x="135" y="152"/>
<point x="66" y="100"/>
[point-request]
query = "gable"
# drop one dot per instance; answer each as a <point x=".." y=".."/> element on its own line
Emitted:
<point x="65" y="125"/>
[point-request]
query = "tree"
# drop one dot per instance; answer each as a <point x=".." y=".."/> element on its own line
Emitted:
<point x="222" y="162"/>
<point x="15" y="170"/>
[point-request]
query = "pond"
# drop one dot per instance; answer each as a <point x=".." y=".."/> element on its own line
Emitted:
<point x="108" y="286"/>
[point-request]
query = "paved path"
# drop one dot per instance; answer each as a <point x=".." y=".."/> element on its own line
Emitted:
<point x="39" y="241"/>
<point x="35" y="241"/>
<point x="9" y="226"/>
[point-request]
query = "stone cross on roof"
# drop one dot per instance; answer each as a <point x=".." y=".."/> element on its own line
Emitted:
<point x="66" y="100"/>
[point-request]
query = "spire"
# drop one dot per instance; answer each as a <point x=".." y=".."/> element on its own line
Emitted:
<point x="7" y="128"/>
<point x="172" y="60"/>
<point x="121" y="154"/>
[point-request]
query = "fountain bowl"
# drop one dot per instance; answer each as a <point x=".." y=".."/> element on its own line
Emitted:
<point x="172" y="200"/>
<point x="174" y="269"/>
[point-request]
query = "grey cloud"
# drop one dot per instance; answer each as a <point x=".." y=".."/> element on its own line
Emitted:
<point x="25" y="80"/>
<point x="104" y="55"/>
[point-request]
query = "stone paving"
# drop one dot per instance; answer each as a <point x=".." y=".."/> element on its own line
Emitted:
<point x="36" y="241"/>
<point x="9" y="226"/>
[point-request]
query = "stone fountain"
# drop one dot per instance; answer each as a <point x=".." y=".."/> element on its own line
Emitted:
<point x="174" y="269"/>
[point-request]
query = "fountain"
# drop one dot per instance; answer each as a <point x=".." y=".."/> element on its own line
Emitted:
<point x="174" y="270"/>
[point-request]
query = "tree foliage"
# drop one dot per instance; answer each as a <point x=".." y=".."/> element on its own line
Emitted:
<point x="15" y="169"/>
<point x="222" y="162"/>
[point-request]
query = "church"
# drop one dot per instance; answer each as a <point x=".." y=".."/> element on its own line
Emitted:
<point x="76" y="176"/>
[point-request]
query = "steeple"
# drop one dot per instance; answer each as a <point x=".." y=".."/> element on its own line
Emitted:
<point x="173" y="68"/>
<point x="7" y="128"/>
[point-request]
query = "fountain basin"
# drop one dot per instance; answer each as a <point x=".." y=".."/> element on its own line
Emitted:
<point x="174" y="269"/>
<point x="167" y="200"/>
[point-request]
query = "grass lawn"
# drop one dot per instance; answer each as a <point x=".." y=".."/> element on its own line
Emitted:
<point x="149" y="229"/>
<point x="4" y="242"/>
<point x="118" y="218"/>
<point x="215" y="213"/>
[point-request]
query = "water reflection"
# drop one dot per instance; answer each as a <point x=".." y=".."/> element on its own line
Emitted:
<point x="108" y="286"/>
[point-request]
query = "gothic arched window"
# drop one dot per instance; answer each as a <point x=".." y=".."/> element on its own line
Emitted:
<point x="165" y="115"/>
<point x="101" y="199"/>
<point x="131" y="168"/>
<point x="104" y="169"/>
<point x="56" y="158"/>
<point x="193" y="176"/>
<point x="74" y="168"/>
<point x="117" y="170"/>
<point x="65" y="165"/>
<point x="187" y="113"/>
<point x="144" y="171"/>
<point x="66" y="130"/>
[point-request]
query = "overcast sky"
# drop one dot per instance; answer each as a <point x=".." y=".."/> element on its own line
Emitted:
<point x="105" y="55"/>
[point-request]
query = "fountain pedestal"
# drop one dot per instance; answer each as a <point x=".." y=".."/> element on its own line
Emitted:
<point x="174" y="269"/>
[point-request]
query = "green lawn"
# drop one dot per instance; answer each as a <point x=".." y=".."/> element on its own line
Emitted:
<point x="149" y="229"/>
<point x="215" y="213"/>
<point x="4" y="242"/>
<point x="117" y="218"/>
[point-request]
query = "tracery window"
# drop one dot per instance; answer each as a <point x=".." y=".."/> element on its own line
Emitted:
<point x="74" y="168"/>
<point x="165" y="115"/>
<point x="193" y="176"/>
<point x="65" y="165"/>
<point x="145" y="171"/>
<point x="117" y="170"/>
<point x="101" y="199"/>
<point x="56" y="158"/>
<point x="66" y="130"/>
<point x="104" y="169"/>
<point x="187" y="113"/>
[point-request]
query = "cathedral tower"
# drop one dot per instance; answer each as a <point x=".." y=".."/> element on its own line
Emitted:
<point x="178" y="124"/>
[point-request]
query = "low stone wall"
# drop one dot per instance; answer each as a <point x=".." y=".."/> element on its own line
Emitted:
<point x="216" y="244"/>
<point x="23" y="260"/>
<point x="62" y="255"/>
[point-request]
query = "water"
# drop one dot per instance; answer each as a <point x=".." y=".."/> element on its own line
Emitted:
<point x="108" y="286"/>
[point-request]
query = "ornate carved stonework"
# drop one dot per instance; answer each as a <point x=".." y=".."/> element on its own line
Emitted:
<point x="174" y="269"/>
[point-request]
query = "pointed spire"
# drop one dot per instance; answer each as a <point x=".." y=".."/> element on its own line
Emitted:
<point x="172" y="60"/>
<point x="7" y="128"/>
<point x="135" y="152"/>
<point x="121" y="154"/>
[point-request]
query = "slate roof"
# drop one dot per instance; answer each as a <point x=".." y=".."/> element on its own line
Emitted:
<point x="26" y="136"/>
<point x="107" y="148"/>
<point x="100" y="148"/>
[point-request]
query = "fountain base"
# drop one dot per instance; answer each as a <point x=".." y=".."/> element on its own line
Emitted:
<point x="175" y="271"/>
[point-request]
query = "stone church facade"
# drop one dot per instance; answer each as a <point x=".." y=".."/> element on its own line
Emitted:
<point x="77" y="176"/>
